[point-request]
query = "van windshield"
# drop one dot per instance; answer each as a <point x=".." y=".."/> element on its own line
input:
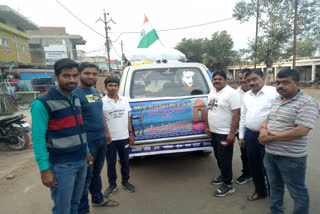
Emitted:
<point x="165" y="82"/>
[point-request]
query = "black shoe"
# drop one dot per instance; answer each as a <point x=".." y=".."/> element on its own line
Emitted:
<point x="128" y="187"/>
<point x="217" y="181"/>
<point x="108" y="192"/>
<point x="243" y="179"/>
<point x="224" y="190"/>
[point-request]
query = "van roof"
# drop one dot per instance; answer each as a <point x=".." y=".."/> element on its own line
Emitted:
<point x="166" y="65"/>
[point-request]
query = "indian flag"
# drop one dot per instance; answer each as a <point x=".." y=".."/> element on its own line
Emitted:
<point x="148" y="35"/>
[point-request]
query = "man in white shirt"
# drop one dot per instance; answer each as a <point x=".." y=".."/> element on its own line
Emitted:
<point x="255" y="108"/>
<point x="222" y="123"/>
<point x="117" y="111"/>
<point x="244" y="87"/>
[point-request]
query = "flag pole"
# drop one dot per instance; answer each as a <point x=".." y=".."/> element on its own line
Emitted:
<point x="154" y="28"/>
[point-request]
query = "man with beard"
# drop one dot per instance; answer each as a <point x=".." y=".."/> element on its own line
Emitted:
<point x="59" y="139"/>
<point x="117" y="112"/>
<point x="91" y="106"/>
<point x="244" y="87"/>
<point x="221" y="124"/>
<point x="285" y="135"/>
<point x="255" y="108"/>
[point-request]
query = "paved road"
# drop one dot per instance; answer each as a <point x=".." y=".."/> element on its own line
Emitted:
<point x="165" y="185"/>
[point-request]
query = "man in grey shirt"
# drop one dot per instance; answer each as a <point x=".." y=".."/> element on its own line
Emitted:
<point x="285" y="134"/>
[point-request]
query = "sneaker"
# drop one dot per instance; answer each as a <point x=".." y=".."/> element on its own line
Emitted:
<point x="217" y="181"/>
<point x="108" y="192"/>
<point x="243" y="179"/>
<point x="224" y="190"/>
<point x="128" y="187"/>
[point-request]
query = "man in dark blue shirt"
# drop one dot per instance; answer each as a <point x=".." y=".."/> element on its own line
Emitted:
<point x="91" y="106"/>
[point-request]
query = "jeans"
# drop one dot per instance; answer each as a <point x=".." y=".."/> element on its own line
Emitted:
<point x="223" y="156"/>
<point x="98" y="150"/>
<point x="255" y="154"/>
<point x="289" y="171"/>
<point x="122" y="148"/>
<point x="70" y="179"/>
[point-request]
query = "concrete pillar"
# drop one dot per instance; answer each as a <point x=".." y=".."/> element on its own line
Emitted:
<point x="275" y="73"/>
<point x="234" y="74"/>
<point x="313" y="73"/>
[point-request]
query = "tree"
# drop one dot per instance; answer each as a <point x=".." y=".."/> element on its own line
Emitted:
<point x="216" y="53"/>
<point x="276" y="26"/>
<point x="308" y="46"/>
<point x="192" y="48"/>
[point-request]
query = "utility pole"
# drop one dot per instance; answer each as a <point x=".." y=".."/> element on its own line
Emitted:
<point x="106" y="27"/>
<point x="122" y="58"/>
<point x="121" y="48"/>
<point x="295" y="28"/>
<point x="257" y="29"/>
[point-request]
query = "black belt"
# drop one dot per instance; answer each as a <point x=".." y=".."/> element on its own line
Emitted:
<point x="256" y="132"/>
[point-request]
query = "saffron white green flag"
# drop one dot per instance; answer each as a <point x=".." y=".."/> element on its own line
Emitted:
<point x="148" y="35"/>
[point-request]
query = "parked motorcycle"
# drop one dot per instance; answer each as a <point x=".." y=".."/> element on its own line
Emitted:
<point x="14" y="132"/>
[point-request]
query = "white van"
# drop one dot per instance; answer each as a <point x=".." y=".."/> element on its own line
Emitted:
<point x="169" y="103"/>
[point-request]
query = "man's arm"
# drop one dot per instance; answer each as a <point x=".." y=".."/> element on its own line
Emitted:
<point x="234" y="125"/>
<point x="242" y="123"/>
<point x="40" y="120"/>
<point x="243" y="112"/>
<point x="131" y="136"/>
<point x="109" y="139"/>
<point x="290" y="134"/>
<point x="264" y="136"/>
<point x="305" y="121"/>
<point x="207" y="129"/>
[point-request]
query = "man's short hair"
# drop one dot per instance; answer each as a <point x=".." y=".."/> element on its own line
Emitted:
<point x="112" y="79"/>
<point x="255" y="71"/>
<point x="294" y="74"/>
<point x="64" y="63"/>
<point x="84" y="65"/>
<point x="245" y="70"/>
<point x="220" y="73"/>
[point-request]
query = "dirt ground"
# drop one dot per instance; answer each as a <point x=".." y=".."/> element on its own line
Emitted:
<point x="171" y="184"/>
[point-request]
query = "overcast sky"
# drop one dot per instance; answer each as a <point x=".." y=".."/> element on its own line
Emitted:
<point x="129" y="15"/>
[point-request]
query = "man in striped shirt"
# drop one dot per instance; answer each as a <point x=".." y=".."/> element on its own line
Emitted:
<point x="285" y="134"/>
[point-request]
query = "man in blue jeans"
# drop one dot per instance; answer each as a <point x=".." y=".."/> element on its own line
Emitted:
<point x="59" y="139"/>
<point x="91" y="106"/>
<point x="285" y="134"/>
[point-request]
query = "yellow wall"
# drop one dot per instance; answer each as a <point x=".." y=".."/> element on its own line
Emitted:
<point x="10" y="54"/>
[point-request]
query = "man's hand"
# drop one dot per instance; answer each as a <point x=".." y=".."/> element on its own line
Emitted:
<point x="48" y="179"/>
<point x="207" y="130"/>
<point x="264" y="136"/>
<point x="89" y="159"/>
<point x="230" y="138"/>
<point x="241" y="143"/>
<point x="109" y="139"/>
<point x="131" y="138"/>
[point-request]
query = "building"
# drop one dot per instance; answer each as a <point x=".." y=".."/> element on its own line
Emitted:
<point x="100" y="61"/>
<point x="48" y="44"/>
<point x="308" y="67"/>
<point x="14" y="49"/>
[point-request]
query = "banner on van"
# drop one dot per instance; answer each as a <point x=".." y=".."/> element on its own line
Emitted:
<point x="169" y="118"/>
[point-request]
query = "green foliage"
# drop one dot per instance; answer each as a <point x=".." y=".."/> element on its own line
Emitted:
<point x="276" y="26"/>
<point x="308" y="47"/>
<point x="192" y="48"/>
<point x="216" y="53"/>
